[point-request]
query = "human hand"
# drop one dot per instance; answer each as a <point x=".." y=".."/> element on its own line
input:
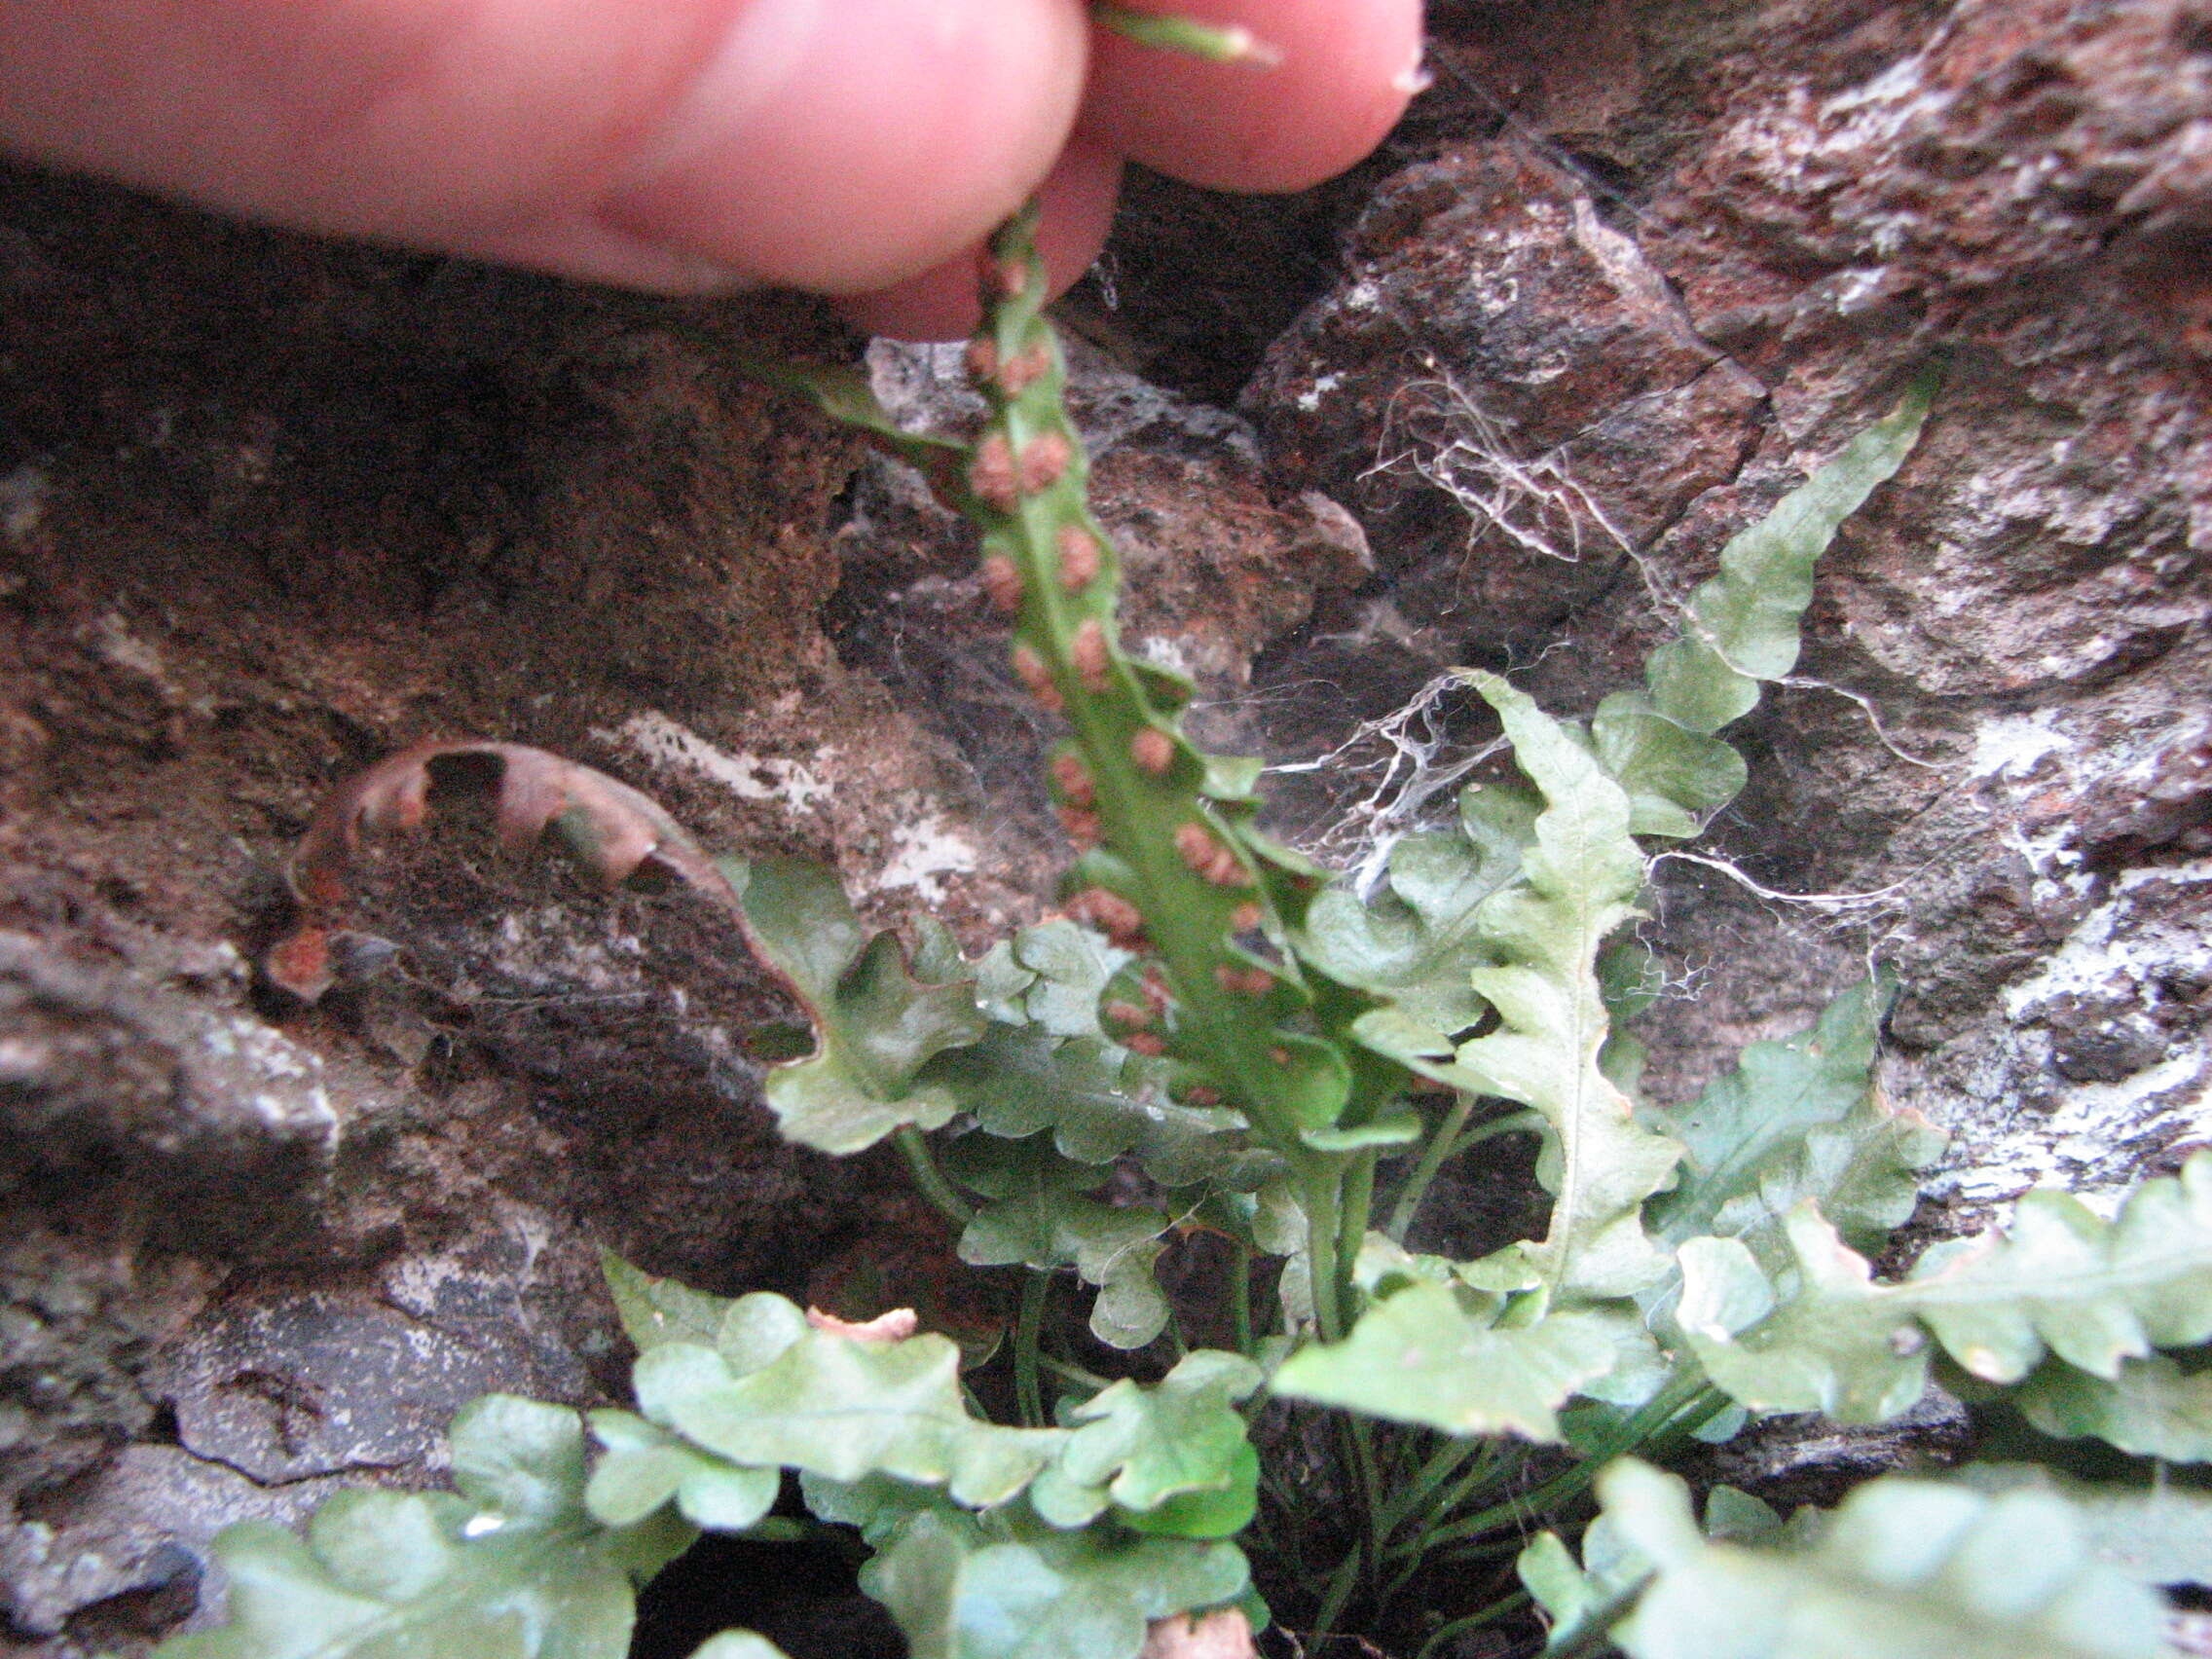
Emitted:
<point x="857" y="148"/>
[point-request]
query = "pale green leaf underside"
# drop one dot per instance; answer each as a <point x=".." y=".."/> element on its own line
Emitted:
<point x="510" y="1567"/>
<point x="964" y="1587"/>
<point x="876" y="1026"/>
<point x="1906" y="1569"/>
<point x="844" y="1408"/>
<point x="1421" y="1356"/>
<point x="1137" y="1446"/>
<point x="2156" y="1533"/>
<point x="1581" y="880"/>
<point x="2060" y="1280"/>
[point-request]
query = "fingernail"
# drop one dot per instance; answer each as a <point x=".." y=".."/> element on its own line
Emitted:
<point x="1414" y="79"/>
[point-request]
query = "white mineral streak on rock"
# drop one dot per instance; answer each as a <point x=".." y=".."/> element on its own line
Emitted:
<point x="749" y="777"/>
<point x="923" y="854"/>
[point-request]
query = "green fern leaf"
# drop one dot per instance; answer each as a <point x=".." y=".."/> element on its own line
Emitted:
<point x="1040" y="1218"/>
<point x="512" y="1567"/>
<point x="1741" y="626"/>
<point x="1741" y="629"/>
<point x="1427" y="1354"/>
<point x="1905" y="1570"/>
<point x="841" y="1406"/>
<point x="1005" y="1586"/>
<point x="2152" y="1408"/>
<point x="2060" y="1280"/>
<point x="1141" y="1449"/>
<point x="1582" y="876"/>
<point x="877" y="1028"/>
<point x="1796" y="1120"/>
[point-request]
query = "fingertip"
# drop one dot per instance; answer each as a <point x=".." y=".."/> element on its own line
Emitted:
<point x="1343" y="73"/>
<point x="843" y="148"/>
<point x="1077" y="212"/>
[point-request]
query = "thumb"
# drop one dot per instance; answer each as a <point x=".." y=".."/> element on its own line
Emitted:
<point x="839" y="145"/>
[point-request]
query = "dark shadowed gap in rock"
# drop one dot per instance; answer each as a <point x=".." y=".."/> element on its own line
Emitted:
<point x="805" y="1598"/>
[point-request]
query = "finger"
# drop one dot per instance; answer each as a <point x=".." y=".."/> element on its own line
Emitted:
<point x="835" y="144"/>
<point x="1346" y="71"/>
<point x="1076" y="211"/>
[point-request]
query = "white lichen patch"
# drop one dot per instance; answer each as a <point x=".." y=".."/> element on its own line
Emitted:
<point x="116" y="644"/>
<point x="923" y="855"/>
<point x="22" y="502"/>
<point x="1309" y="400"/>
<point x="2013" y="746"/>
<point x="545" y="947"/>
<point x="2104" y="956"/>
<point x="2018" y="1122"/>
<point x="749" y="777"/>
<point x="2085" y="1145"/>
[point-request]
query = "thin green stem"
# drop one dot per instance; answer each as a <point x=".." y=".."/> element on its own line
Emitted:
<point x="1241" y="1296"/>
<point x="1510" y="1546"/>
<point x="1075" y="1373"/>
<point x="1358" y="1205"/>
<point x="1483" y="1476"/>
<point x="1497" y="1609"/>
<point x="1680" y="1398"/>
<point x="1028" y="1394"/>
<point x="1362" y="1442"/>
<point x="1341" y="1584"/>
<point x="1513" y="1123"/>
<point x="1324" y="1202"/>
<point x="931" y="1179"/>
<point x="1440" y="1466"/>
<point x="1187" y="35"/>
<point x="1433" y="1158"/>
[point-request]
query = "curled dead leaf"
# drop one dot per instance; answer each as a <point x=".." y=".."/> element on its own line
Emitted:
<point x="1222" y="1633"/>
<point x="614" y="830"/>
<point x="895" y="1326"/>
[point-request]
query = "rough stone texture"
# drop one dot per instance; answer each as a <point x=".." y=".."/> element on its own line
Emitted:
<point x="1561" y="369"/>
<point x="269" y="510"/>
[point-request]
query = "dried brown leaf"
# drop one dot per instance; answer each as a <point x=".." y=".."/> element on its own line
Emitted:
<point x="1222" y="1633"/>
<point x="614" y="830"/>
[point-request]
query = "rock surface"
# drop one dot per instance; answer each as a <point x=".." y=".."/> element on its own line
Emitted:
<point x="269" y="509"/>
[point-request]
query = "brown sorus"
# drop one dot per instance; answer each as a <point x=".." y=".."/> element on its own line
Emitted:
<point x="1203" y="1094"/>
<point x="1079" y="557"/>
<point x="1089" y="653"/>
<point x="1025" y="369"/>
<point x="1044" y="460"/>
<point x="1073" y="779"/>
<point x="1247" y="916"/>
<point x="990" y="473"/>
<point x="1002" y="581"/>
<point x="1245" y="981"/>
<point x="1037" y="677"/>
<point x="1206" y="855"/>
<point x="1127" y="1013"/>
<point x="983" y="357"/>
<point x="1146" y="1043"/>
<point x="1112" y="914"/>
<point x="1154" y="752"/>
<point x="1082" y="827"/>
